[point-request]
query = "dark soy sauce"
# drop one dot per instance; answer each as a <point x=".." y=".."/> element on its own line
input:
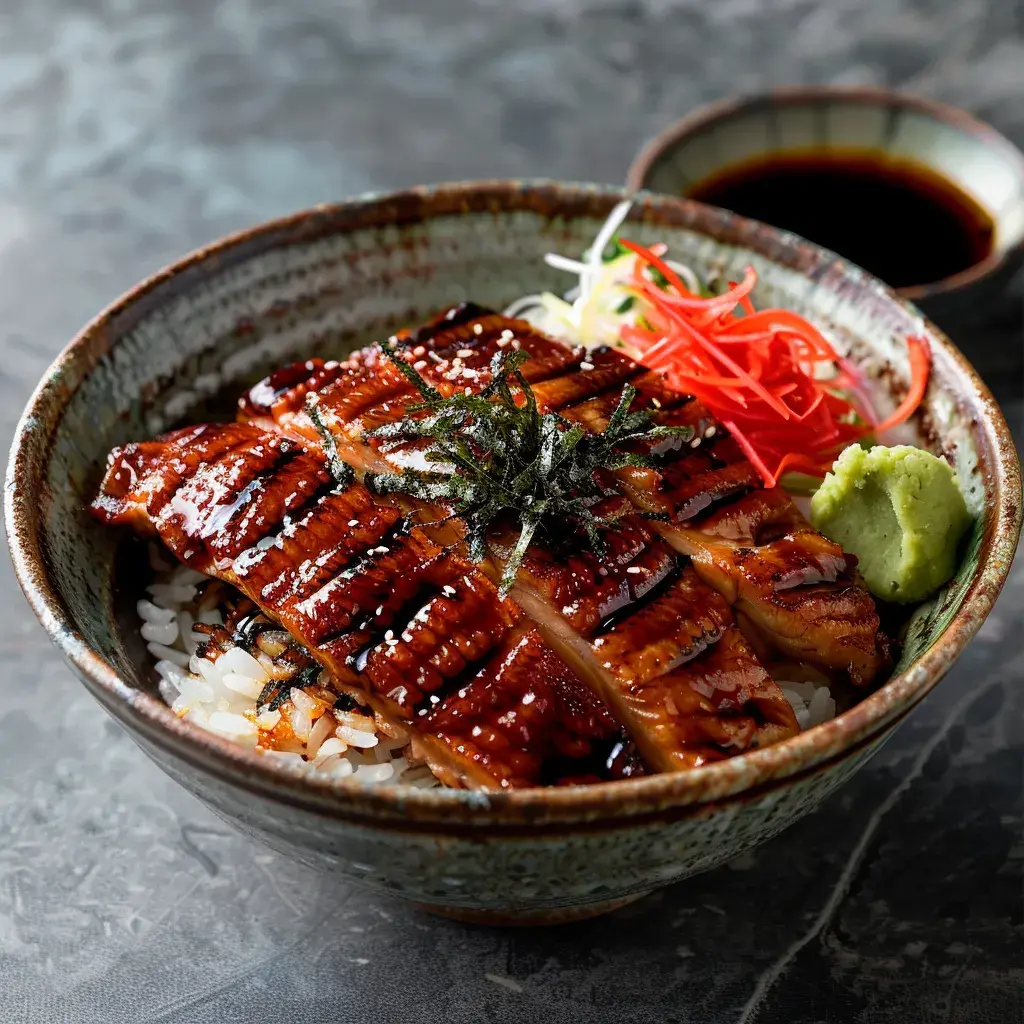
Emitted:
<point x="898" y="220"/>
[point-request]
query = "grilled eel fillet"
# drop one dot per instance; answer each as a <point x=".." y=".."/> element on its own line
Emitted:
<point x="424" y="637"/>
<point x="795" y="592"/>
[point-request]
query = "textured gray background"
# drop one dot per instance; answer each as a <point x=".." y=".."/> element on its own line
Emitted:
<point x="133" y="131"/>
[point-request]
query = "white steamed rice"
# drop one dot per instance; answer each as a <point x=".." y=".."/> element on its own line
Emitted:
<point x="812" y="702"/>
<point x="221" y="696"/>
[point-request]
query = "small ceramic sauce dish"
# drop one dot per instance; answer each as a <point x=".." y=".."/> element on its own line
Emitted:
<point x="922" y="195"/>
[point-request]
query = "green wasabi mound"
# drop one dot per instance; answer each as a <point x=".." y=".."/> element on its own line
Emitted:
<point x="900" y="511"/>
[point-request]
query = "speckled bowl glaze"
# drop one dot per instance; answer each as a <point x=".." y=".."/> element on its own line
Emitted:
<point x="326" y="279"/>
<point x="949" y="141"/>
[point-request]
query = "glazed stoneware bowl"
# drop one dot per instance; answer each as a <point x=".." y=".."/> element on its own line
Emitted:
<point x="319" y="283"/>
<point x="950" y="142"/>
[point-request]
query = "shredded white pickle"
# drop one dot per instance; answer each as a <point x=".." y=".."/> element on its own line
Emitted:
<point x="593" y="311"/>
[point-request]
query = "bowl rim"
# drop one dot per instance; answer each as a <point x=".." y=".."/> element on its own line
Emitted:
<point x="870" y="95"/>
<point x="151" y="721"/>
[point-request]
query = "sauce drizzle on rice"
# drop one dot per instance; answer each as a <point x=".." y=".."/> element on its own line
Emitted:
<point x="266" y="693"/>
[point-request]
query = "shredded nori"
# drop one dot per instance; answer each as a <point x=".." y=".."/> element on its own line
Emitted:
<point x="249" y="628"/>
<point x="277" y="691"/>
<point x="342" y="472"/>
<point x="497" y="456"/>
<point x="268" y="692"/>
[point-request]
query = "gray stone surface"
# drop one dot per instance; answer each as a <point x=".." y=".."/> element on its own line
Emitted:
<point x="131" y="132"/>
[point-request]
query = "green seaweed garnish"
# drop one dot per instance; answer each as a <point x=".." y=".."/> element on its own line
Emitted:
<point x="278" y="691"/>
<point x="498" y="456"/>
<point x="344" y="475"/>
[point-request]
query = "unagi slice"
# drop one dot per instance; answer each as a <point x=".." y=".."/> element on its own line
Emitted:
<point x="526" y="718"/>
<point x="467" y="337"/>
<point x="718" y="704"/>
<point x="314" y="399"/>
<point x="798" y="589"/>
<point x="388" y="612"/>
<point x="658" y="645"/>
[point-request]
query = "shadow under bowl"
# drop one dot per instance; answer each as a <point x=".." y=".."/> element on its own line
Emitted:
<point x="321" y="282"/>
<point x="906" y="129"/>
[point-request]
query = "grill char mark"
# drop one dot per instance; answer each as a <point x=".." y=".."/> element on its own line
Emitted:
<point x="799" y="590"/>
<point x="312" y="549"/>
<point x="471" y="342"/>
<point x="414" y="616"/>
<point x="211" y="491"/>
<point x="283" y="392"/>
<point x="644" y="657"/>
<point x="558" y="733"/>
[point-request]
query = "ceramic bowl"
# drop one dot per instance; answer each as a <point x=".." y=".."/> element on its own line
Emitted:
<point x="948" y="141"/>
<point x="321" y="282"/>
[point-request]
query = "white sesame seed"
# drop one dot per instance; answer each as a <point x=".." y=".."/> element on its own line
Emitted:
<point x="420" y="364"/>
<point x="435" y="357"/>
<point x="353" y="522"/>
<point x="695" y="443"/>
<point x="710" y="432"/>
<point x="478" y="329"/>
<point x="418" y="351"/>
<point x="469" y="391"/>
<point x="655" y="403"/>
<point x="448" y="591"/>
<point x="391" y="643"/>
<point x="634" y="569"/>
<point x="470" y="373"/>
<point x="586" y="366"/>
<point x="515" y="344"/>
<point x="465" y="353"/>
<point x="507" y="335"/>
<point x="389" y="635"/>
<point x="503" y="342"/>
